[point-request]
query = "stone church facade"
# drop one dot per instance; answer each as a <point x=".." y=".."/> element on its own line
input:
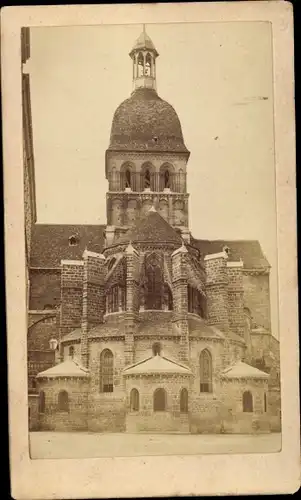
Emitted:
<point x="151" y="329"/>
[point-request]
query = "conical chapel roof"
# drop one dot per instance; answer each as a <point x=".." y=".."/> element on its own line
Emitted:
<point x="151" y="228"/>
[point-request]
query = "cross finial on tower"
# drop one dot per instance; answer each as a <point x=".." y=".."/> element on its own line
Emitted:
<point x="144" y="28"/>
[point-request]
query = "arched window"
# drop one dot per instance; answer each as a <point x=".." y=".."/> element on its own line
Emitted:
<point x="134" y="400"/>
<point x="147" y="179"/>
<point x="128" y="178"/>
<point x="106" y="371"/>
<point x="196" y="302"/>
<point x="168" y="303"/>
<point x="159" y="400"/>
<point x="63" y="401"/>
<point x="265" y="403"/>
<point x="148" y="65"/>
<point x="140" y="64"/>
<point x="166" y="177"/>
<point x="153" y="286"/>
<point x="205" y="371"/>
<point x="113" y="299"/>
<point x="42" y="402"/>
<point x="147" y="176"/>
<point x="156" y="348"/>
<point x="71" y="352"/>
<point x="184" y="401"/>
<point x="247" y="402"/>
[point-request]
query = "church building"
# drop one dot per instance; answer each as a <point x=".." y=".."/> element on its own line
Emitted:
<point x="151" y="329"/>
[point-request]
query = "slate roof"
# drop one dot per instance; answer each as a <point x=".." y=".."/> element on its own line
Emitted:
<point x="144" y="42"/>
<point x="157" y="364"/>
<point x="145" y="122"/>
<point x="151" y="228"/>
<point x="50" y="242"/>
<point x="150" y="324"/>
<point x="249" y="251"/>
<point x="242" y="370"/>
<point x="198" y="327"/>
<point x="74" y="335"/>
<point x="69" y="368"/>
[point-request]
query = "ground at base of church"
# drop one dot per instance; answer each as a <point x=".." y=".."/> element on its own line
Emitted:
<point x="92" y="445"/>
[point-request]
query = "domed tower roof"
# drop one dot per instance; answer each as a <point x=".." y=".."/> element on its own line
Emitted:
<point x="144" y="121"/>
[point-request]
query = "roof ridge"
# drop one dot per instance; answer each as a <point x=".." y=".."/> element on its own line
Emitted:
<point x="138" y="363"/>
<point x="174" y="362"/>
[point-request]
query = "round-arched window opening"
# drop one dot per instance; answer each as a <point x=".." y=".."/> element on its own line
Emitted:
<point x="140" y="64"/>
<point x="156" y="349"/>
<point x="147" y="179"/>
<point x="166" y="179"/>
<point x="159" y="400"/>
<point x="128" y="179"/>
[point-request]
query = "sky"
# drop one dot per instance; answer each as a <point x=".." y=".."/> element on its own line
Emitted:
<point x="219" y="79"/>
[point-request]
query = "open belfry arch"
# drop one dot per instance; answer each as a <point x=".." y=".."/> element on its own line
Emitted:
<point x="156" y="331"/>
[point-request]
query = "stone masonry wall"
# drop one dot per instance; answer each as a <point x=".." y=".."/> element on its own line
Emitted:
<point x="27" y="204"/>
<point x="106" y="410"/>
<point x="77" y="350"/>
<point x="33" y="412"/>
<point x="180" y="300"/>
<point x="132" y="301"/>
<point x="146" y="419"/>
<point x="71" y="295"/>
<point x="236" y="298"/>
<point x="233" y="418"/>
<point x="257" y="298"/>
<point x="93" y="297"/>
<point x="217" y="290"/>
<point x="56" y="420"/>
<point x="143" y="347"/>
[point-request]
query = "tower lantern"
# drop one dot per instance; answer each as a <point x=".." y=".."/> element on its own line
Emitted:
<point x="144" y="56"/>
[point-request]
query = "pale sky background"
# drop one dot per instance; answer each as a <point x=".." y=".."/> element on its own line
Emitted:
<point x="218" y="77"/>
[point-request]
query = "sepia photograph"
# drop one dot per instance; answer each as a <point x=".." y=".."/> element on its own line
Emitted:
<point x="151" y="240"/>
<point x="151" y="262"/>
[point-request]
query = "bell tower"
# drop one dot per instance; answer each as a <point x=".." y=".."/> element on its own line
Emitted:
<point x="147" y="158"/>
<point x="144" y="57"/>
